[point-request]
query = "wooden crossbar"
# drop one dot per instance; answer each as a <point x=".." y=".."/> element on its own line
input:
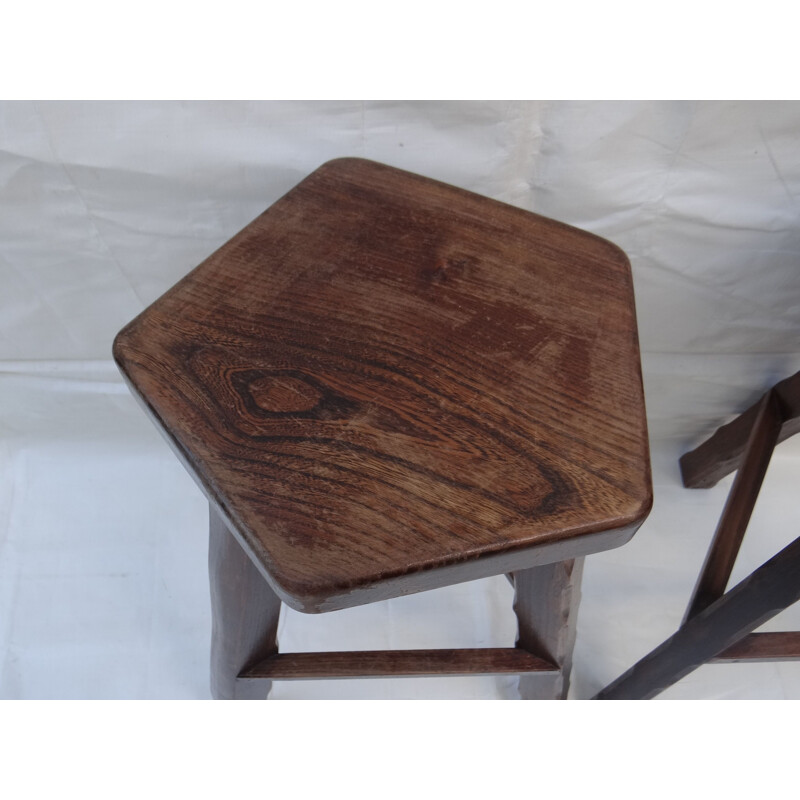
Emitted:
<point x="723" y="625"/>
<point x="783" y="646"/>
<point x="399" y="663"/>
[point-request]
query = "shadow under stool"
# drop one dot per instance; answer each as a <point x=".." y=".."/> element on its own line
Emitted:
<point x="384" y="385"/>
<point x="718" y="625"/>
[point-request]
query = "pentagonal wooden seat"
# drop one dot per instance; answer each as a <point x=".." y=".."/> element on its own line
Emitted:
<point x="385" y="384"/>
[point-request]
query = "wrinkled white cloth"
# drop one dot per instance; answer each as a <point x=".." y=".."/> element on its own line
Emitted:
<point x="103" y="206"/>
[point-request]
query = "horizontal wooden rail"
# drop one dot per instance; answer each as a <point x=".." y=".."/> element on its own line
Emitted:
<point x="399" y="663"/>
<point x="762" y="647"/>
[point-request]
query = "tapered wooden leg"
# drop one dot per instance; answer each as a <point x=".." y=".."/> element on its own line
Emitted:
<point x="546" y="604"/>
<point x="732" y="525"/>
<point x="244" y="613"/>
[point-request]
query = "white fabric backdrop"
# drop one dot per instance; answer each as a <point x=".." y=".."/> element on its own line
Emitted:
<point x="103" y="206"/>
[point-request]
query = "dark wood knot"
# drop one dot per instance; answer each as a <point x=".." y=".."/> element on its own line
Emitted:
<point x="283" y="393"/>
<point x="289" y="393"/>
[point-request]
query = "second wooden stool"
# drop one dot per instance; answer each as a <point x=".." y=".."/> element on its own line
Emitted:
<point x="719" y="625"/>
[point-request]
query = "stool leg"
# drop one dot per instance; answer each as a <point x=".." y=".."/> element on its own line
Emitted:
<point x="546" y="604"/>
<point x="244" y="617"/>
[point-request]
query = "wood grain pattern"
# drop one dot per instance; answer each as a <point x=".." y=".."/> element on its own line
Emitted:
<point x="399" y="664"/>
<point x="244" y="617"/>
<point x="546" y="603"/>
<point x="386" y="384"/>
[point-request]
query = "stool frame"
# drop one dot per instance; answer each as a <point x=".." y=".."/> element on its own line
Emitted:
<point x="718" y="625"/>
<point x="245" y="658"/>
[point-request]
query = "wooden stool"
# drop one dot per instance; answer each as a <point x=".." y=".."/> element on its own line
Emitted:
<point x="384" y="385"/>
<point x="718" y="625"/>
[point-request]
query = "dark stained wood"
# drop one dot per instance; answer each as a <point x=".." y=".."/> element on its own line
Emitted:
<point x="546" y="604"/>
<point x="718" y="627"/>
<point x="766" y="592"/>
<point x="399" y="663"/>
<point x="244" y="616"/>
<point x="742" y="498"/>
<point x="722" y="453"/>
<point x="781" y="646"/>
<point x="386" y="384"/>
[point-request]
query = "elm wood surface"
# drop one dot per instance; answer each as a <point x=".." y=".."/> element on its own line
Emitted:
<point x="722" y="453"/>
<point x="766" y="592"/>
<point x="386" y="384"/>
<point x="244" y="616"/>
<point x="546" y="604"/>
<point x="738" y="509"/>
<point x="400" y="664"/>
